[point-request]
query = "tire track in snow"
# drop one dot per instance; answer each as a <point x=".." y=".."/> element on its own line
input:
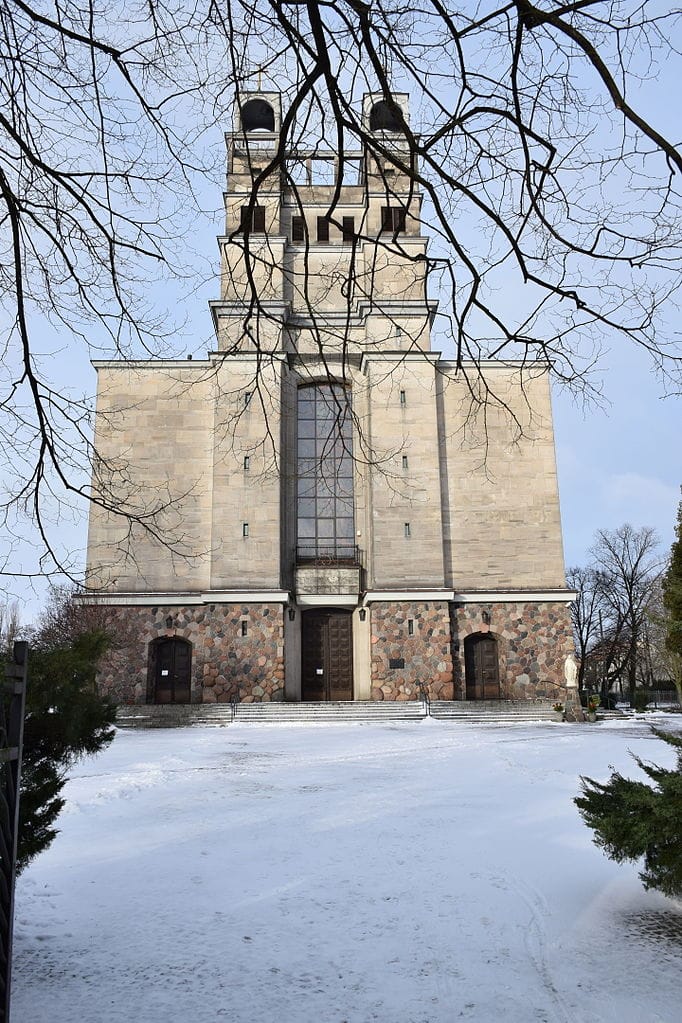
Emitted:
<point x="535" y="941"/>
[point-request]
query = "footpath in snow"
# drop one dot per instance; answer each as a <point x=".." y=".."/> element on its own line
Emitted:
<point x="411" y="873"/>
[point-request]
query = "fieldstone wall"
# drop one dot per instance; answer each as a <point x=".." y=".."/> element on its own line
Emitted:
<point x="225" y="663"/>
<point x="533" y="642"/>
<point x="427" y="653"/>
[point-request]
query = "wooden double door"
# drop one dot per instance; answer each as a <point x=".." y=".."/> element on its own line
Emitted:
<point x="327" y="655"/>
<point x="171" y="669"/>
<point x="481" y="667"/>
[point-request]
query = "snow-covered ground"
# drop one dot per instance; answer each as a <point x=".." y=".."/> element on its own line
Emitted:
<point x="408" y="873"/>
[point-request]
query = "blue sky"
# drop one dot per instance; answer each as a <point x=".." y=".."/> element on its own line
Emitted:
<point x="620" y="463"/>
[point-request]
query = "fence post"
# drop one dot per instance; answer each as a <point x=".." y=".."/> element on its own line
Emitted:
<point x="12" y="708"/>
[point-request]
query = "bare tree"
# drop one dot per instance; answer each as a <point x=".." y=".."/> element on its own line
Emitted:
<point x="552" y="198"/>
<point x="586" y="613"/>
<point x="10" y="627"/>
<point x="630" y="565"/>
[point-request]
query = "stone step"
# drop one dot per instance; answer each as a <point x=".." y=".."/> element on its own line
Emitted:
<point x="332" y="711"/>
<point x="481" y="711"/>
<point x="365" y="707"/>
<point x="174" y="716"/>
<point x="222" y="714"/>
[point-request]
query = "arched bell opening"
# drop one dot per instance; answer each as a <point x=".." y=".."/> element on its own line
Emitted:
<point x="386" y="115"/>
<point x="257" y="115"/>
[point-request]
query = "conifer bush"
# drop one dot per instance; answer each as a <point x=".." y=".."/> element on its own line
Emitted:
<point x="66" y="718"/>
<point x="632" y="820"/>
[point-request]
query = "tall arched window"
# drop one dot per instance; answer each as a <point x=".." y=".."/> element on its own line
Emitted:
<point x="325" y="473"/>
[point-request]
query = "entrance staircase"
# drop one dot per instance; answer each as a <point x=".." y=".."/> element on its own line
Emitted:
<point x="331" y="712"/>
<point x="176" y="715"/>
<point x="491" y="712"/>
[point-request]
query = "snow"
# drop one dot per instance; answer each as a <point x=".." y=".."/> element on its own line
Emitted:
<point x="408" y="873"/>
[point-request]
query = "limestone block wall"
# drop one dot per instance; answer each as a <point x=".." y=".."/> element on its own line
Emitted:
<point x="427" y="652"/>
<point x="405" y="524"/>
<point x="245" y="513"/>
<point x="317" y="280"/>
<point x="533" y="641"/>
<point x="253" y="269"/>
<point x="390" y="275"/>
<point x="404" y="331"/>
<point x="500" y="494"/>
<point x="224" y="663"/>
<point x="154" y="445"/>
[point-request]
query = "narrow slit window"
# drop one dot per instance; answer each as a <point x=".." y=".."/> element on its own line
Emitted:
<point x="393" y="219"/>
<point x="405" y="462"/>
<point x="245" y="628"/>
<point x="403" y="398"/>
<point x="245" y="529"/>
<point x="322" y="229"/>
<point x="298" y="229"/>
<point x="252" y="219"/>
<point x="247" y="463"/>
<point x="407" y="529"/>
<point x="259" y="219"/>
<point x="410" y="626"/>
<point x="348" y="229"/>
<point x="247" y="398"/>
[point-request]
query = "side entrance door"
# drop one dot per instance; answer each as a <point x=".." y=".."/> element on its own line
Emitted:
<point x="327" y="656"/>
<point x="172" y="671"/>
<point x="481" y="667"/>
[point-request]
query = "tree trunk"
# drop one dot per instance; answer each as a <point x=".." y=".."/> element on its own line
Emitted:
<point x="632" y="669"/>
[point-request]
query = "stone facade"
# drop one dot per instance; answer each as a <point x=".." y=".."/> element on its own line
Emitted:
<point x="533" y="642"/>
<point x="413" y="643"/>
<point x="424" y="646"/>
<point x="225" y="664"/>
<point x="449" y="496"/>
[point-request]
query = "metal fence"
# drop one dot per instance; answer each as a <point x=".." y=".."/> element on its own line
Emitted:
<point x="663" y="697"/>
<point x="12" y="708"/>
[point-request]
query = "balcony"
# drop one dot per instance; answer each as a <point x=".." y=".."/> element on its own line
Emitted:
<point x="323" y="555"/>
<point x="328" y="574"/>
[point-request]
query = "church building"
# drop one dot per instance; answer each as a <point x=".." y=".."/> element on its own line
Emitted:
<point x="341" y="513"/>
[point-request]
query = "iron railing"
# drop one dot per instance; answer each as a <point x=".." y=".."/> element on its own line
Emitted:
<point x="425" y="698"/>
<point x="234" y="705"/>
<point x="320" y="554"/>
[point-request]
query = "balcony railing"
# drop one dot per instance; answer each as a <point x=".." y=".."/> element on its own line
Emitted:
<point x="323" y="555"/>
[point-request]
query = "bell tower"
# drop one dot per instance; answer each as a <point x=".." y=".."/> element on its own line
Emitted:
<point x="252" y="246"/>
<point x="308" y="266"/>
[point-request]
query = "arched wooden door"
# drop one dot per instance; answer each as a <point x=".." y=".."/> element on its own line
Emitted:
<point x="327" y="655"/>
<point x="481" y="667"/>
<point x="171" y="670"/>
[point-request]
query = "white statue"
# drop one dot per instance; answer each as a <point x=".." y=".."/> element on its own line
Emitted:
<point x="571" y="672"/>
